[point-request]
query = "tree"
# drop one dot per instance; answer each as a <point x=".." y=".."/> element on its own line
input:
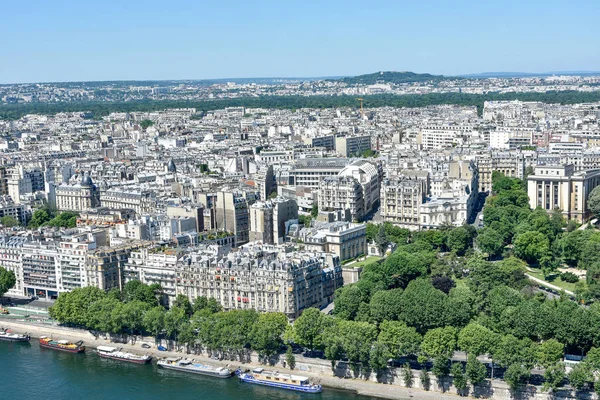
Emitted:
<point x="594" y="201"/>
<point x="314" y="211"/>
<point x="7" y="280"/>
<point x="579" y="376"/>
<point x="379" y="356"/>
<point x="400" y="339"/>
<point x="490" y="241"/>
<point x="422" y="306"/>
<point x="475" y="339"/>
<point x="403" y="267"/>
<point x="439" y="342"/>
<point x="308" y="329"/>
<point x="531" y="246"/>
<point x="290" y="358"/>
<point x="549" y="353"/>
<point x="381" y="240"/>
<point x="592" y="358"/>
<point x="357" y="339"/>
<point x="516" y="375"/>
<point x="9" y="221"/>
<point x="133" y="316"/>
<point x="267" y="333"/>
<point x="100" y="314"/>
<point x="72" y="308"/>
<point x="39" y="218"/>
<point x="459" y="379"/>
<point x="475" y="370"/>
<point x="154" y="321"/>
<point x="174" y="319"/>
<point x="407" y="376"/>
<point x="425" y="379"/>
<point x="459" y="240"/>
<point x="183" y="302"/>
<point x="440" y="368"/>
<point x="554" y="376"/>
<point x="200" y="303"/>
<point x="347" y="301"/>
<point x="385" y="305"/>
<point x="510" y="351"/>
<point x="145" y="124"/>
<point x="443" y="283"/>
<point x="136" y="290"/>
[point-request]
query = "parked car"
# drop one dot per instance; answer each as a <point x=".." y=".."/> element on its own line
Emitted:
<point x="146" y="345"/>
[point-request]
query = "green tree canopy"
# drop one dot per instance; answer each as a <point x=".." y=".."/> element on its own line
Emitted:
<point x="7" y="280"/>
<point x="439" y="342"/>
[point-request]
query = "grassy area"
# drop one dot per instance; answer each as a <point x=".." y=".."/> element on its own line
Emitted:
<point x="554" y="280"/>
<point x="366" y="261"/>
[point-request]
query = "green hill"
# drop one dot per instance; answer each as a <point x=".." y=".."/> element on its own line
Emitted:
<point x="390" y="77"/>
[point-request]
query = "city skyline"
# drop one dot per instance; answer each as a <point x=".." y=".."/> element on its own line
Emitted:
<point x="145" y="41"/>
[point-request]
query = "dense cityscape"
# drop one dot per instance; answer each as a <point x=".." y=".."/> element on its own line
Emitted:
<point x="291" y="200"/>
<point x="379" y="233"/>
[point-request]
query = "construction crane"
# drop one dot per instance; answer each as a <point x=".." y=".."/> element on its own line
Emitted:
<point x="362" y="112"/>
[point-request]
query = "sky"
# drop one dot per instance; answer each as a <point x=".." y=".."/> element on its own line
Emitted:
<point x="68" y="40"/>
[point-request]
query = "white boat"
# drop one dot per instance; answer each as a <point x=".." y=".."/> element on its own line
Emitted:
<point x="5" y="335"/>
<point x="116" y="354"/>
<point x="194" y="368"/>
<point x="259" y="376"/>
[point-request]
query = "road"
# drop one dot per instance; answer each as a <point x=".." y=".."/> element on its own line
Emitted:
<point x="549" y="285"/>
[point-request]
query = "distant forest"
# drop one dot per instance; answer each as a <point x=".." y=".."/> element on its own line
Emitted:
<point x="100" y="109"/>
<point x="391" y="77"/>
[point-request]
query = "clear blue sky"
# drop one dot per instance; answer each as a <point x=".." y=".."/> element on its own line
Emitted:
<point x="68" y="40"/>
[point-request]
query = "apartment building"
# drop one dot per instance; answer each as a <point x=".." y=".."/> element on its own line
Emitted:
<point x="349" y="146"/>
<point x="344" y="239"/>
<point x="561" y="187"/>
<point x="309" y="172"/>
<point x="11" y="250"/>
<point x="154" y="266"/>
<point x="79" y="197"/>
<point x="438" y="137"/>
<point x="141" y="201"/>
<point x="232" y="215"/>
<point x="8" y="208"/>
<point x="401" y="198"/>
<point x="268" y="220"/>
<point x="41" y="275"/>
<point x="105" y="265"/>
<point x="264" y="278"/>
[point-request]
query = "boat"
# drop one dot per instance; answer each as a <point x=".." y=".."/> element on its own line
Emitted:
<point x="62" y="345"/>
<point x="116" y="354"/>
<point x="194" y="368"/>
<point x="259" y="376"/>
<point x="13" y="337"/>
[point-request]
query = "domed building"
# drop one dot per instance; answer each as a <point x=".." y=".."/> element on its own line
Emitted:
<point x="81" y="196"/>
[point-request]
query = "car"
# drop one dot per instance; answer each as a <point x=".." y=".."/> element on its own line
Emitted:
<point x="146" y="345"/>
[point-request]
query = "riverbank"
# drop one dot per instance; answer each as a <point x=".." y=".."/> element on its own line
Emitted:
<point x="319" y="370"/>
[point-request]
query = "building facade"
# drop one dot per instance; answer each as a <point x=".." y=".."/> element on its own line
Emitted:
<point x="561" y="187"/>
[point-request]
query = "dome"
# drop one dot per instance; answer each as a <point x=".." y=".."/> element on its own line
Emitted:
<point x="171" y="167"/>
<point x="87" y="181"/>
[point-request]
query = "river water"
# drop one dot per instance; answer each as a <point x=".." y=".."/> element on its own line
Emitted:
<point x="30" y="372"/>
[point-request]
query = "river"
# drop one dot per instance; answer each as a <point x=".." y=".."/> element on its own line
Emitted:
<point x="30" y="372"/>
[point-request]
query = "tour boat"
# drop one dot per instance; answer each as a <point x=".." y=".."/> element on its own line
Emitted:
<point x="116" y="354"/>
<point x="298" y="383"/>
<point x="62" y="345"/>
<point x="13" y="337"/>
<point x="195" y="368"/>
